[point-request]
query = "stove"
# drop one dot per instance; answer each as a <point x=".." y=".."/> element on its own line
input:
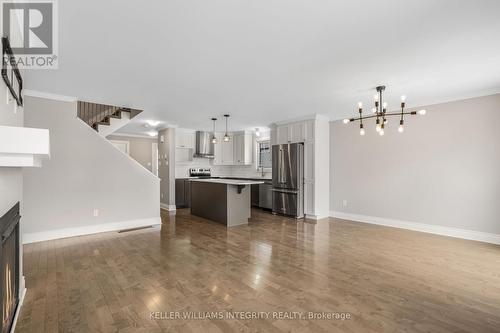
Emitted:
<point x="200" y="172"/>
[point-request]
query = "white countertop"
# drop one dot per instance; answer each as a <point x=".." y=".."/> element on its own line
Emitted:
<point x="229" y="181"/>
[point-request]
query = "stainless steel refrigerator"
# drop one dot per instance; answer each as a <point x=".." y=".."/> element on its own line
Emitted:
<point x="288" y="179"/>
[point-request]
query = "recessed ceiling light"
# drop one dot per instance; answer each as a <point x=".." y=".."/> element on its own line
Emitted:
<point x="152" y="123"/>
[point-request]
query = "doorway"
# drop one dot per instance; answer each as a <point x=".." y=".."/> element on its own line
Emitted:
<point x="122" y="146"/>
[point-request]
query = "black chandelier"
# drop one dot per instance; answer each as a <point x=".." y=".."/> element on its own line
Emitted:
<point x="380" y="113"/>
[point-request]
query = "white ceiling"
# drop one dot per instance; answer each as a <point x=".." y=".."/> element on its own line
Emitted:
<point x="262" y="61"/>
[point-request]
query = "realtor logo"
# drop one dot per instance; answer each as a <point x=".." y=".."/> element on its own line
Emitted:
<point x="31" y="27"/>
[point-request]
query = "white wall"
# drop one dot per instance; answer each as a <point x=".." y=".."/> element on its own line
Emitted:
<point x="321" y="167"/>
<point x="444" y="170"/>
<point x="166" y="167"/>
<point x="85" y="172"/>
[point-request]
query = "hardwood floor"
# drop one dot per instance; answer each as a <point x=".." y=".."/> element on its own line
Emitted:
<point x="389" y="280"/>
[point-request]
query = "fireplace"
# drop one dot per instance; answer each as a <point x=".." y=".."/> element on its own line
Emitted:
<point x="9" y="266"/>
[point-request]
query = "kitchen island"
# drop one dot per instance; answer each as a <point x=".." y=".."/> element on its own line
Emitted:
<point x="226" y="201"/>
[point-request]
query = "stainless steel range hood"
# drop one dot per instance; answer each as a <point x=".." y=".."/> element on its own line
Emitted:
<point x="204" y="145"/>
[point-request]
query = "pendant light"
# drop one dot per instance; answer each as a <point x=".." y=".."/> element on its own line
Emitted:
<point x="214" y="139"/>
<point x="226" y="136"/>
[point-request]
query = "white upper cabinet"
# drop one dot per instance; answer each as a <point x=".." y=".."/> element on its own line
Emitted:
<point x="218" y="150"/>
<point x="283" y="134"/>
<point x="296" y="131"/>
<point x="185" y="139"/>
<point x="228" y="151"/>
<point x="308" y="131"/>
<point x="238" y="151"/>
<point x="238" y="146"/>
<point x="243" y="149"/>
<point x="302" y="131"/>
<point x="223" y="151"/>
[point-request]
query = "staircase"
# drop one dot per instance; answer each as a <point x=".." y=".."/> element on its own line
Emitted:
<point x="105" y="119"/>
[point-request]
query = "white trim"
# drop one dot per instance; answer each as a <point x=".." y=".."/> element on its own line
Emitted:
<point x="87" y="230"/>
<point x="22" y="294"/>
<point x="315" y="217"/>
<point x="131" y="135"/>
<point x="428" y="228"/>
<point x="55" y="97"/>
<point x="299" y="119"/>
<point x="167" y="207"/>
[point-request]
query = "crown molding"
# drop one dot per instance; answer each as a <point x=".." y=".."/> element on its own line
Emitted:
<point x="55" y="97"/>
<point x="132" y="135"/>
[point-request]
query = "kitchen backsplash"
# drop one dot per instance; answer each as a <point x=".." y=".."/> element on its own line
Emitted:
<point x="182" y="170"/>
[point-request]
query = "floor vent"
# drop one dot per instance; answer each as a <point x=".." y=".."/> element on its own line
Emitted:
<point x="134" y="229"/>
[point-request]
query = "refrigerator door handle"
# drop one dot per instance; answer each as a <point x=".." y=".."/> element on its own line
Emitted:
<point x="280" y="190"/>
<point x="281" y="168"/>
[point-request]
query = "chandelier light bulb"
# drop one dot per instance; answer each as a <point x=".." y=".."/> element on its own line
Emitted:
<point x="257" y="132"/>
<point x="381" y="114"/>
<point x="214" y="140"/>
<point x="226" y="138"/>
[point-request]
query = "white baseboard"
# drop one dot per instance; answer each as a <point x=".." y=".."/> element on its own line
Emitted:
<point x="167" y="207"/>
<point x="87" y="230"/>
<point x="316" y="217"/>
<point x="428" y="228"/>
<point x="22" y="294"/>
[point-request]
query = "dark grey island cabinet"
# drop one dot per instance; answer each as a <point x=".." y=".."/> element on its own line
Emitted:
<point x="182" y="193"/>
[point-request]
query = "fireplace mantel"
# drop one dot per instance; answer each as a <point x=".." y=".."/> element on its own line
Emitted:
<point x="23" y="146"/>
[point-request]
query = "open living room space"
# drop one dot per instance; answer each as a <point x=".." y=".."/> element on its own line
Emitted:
<point x="250" y="166"/>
